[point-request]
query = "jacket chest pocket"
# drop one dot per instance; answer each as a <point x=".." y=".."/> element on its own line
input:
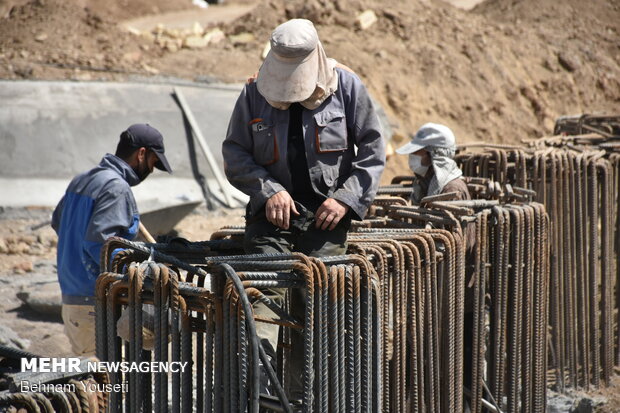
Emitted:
<point x="265" y="145"/>
<point x="331" y="132"/>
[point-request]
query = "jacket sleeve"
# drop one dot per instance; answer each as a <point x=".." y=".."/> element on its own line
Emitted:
<point x="359" y="189"/>
<point x="239" y="164"/>
<point x="113" y="215"/>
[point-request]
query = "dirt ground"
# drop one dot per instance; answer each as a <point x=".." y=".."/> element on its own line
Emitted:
<point x="27" y="262"/>
<point x="500" y="72"/>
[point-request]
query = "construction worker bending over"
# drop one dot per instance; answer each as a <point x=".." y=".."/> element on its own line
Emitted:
<point x="97" y="205"/>
<point x="304" y="143"/>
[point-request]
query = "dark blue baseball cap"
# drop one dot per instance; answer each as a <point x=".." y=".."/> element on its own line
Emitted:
<point x="144" y="135"/>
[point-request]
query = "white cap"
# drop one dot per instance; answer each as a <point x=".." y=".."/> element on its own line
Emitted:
<point x="430" y="134"/>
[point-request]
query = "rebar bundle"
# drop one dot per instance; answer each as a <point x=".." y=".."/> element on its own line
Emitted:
<point x="507" y="280"/>
<point x="342" y="340"/>
<point x="576" y="178"/>
<point x="420" y="286"/>
<point x="382" y="328"/>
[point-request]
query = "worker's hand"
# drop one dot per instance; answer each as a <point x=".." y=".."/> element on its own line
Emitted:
<point x="330" y="213"/>
<point x="278" y="209"/>
<point x="252" y="78"/>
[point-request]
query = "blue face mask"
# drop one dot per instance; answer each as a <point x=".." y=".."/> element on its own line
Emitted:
<point x="415" y="164"/>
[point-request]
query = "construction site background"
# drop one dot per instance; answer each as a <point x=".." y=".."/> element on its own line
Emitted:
<point x="500" y="72"/>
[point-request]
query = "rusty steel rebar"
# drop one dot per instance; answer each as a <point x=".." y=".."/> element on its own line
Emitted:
<point x="382" y="328"/>
<point x="577" y="178"/>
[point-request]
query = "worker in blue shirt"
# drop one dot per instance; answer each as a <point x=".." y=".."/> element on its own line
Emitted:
<point x="97" y="205"/>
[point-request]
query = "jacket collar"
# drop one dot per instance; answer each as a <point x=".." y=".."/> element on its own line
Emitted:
<point x="121" y="167"/>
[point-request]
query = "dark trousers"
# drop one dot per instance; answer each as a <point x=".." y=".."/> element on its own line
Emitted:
<point x="262" y="237"/>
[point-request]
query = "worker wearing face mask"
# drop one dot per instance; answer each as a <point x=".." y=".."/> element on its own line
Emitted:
<point x="97" y="205"/>
<point x="431" y="153"/>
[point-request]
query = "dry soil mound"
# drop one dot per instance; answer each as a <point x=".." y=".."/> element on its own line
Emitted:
<point x="502" y="72"/>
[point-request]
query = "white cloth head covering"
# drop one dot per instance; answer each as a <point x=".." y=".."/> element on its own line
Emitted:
<point x="445" y="169"/>
<point x="296" y="68"/>
<point x="440" y="143"/>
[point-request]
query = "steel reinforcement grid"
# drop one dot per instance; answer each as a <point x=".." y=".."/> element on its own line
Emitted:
<point x="577" y="179"/>
<point x="214" y="329"/>
<point x="383" y="328"/>
<point x="506" y="305"/>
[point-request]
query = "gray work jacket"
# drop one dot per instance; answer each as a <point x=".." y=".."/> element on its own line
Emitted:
<point x="344" y="147"/>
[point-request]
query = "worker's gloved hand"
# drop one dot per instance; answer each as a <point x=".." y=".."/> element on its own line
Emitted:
<point x="113" y="255"/>
<point x="278" y="209"/>
<point x="330" y="213"/>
